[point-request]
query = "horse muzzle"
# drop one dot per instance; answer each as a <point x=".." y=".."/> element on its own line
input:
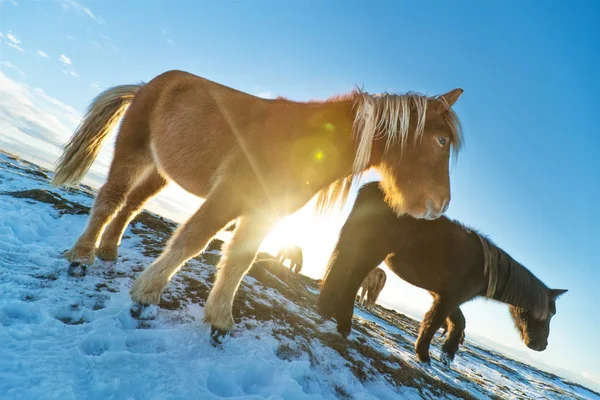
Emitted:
<point x="432" y="211"/>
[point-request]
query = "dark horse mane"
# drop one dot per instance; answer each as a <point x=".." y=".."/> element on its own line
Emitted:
<point x="509" y="281"/>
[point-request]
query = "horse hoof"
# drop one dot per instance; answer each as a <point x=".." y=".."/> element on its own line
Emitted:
<point x="143" y="312"/>
<point x="217" y="335"/>
<point x="446" y="359"/>
<point x="77" y="270"/>
<point x="424" y="359"/>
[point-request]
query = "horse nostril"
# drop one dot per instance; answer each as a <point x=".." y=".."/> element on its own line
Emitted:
<point x="430" y="206"/>
<point x="445" y="205"/>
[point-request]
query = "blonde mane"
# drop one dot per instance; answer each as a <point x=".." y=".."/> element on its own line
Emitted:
<point x="384" y="116"/>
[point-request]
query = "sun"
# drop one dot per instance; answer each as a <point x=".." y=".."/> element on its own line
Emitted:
<point x="316" y="235"/>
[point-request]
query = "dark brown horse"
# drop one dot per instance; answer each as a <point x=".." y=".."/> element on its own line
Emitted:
<point x="453" y="263"/>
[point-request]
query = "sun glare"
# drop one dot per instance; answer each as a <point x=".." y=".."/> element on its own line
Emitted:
<point x="316" y="235"/>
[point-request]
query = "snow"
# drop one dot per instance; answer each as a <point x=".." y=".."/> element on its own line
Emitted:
<point x="74" y="338"/>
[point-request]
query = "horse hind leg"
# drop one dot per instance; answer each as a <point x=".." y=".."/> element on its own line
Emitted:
<point x="125" y="172"/>
<point x="456" y="332"/>
<point x="236" y="259"/>
<point x="111" y="238"/>
<point x="189" y="240"/>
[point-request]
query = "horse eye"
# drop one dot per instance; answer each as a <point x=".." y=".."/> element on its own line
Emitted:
<point x="441" y="140"/>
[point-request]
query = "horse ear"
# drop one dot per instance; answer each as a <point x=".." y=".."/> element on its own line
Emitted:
<point x="556" y="293"/>
<point x="452" y="96"/>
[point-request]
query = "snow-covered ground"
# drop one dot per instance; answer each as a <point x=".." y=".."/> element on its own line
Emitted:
<point x="67" y="338"/>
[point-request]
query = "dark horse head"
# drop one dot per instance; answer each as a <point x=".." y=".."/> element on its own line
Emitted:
<point x="534" y="330"/>
<point x="412" y="139"/>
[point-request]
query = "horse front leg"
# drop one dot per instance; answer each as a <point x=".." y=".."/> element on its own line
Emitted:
<point x="432" y="321"/>
<point x="456" y="336"/>
<point x="236" y="259"/>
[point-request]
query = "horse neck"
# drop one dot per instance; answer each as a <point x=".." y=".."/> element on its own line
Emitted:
<point x="512" y="283"/>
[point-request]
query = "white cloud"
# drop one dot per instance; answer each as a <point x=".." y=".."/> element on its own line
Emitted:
<point x="42" y="54"/>
<point x="35" y="126"/>
<point x="32" y="122"/>
<point x="9" y="65"/>
<point x="105" y="43"/>
<point x="68" y="66"/>
<point x="81" y="9"/>
<point x="71" y="71"/>
<point x="96" y="85"/>
<point x="11" y="41"/>
<point x="65" y="60"/>
<point x="13" y="38"/>
<point x="266" y="94"/>
<point x="69" y="37"/>
<point x="16" y="47"/>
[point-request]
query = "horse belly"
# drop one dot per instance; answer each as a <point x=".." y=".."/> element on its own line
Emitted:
<point x="416" y="275"/>
<point x="185" y="162"/>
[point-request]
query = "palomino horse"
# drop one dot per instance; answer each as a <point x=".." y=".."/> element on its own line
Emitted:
<point x="292" y="253"/>
<point x="453" y="263"/>
<point x="251" y="159"/>
<point x="371" y="286"/>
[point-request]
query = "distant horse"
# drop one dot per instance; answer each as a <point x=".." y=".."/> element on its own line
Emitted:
<point x="292" y="253"/>
<point x="252" y="159"/>
<point x="371" y="286"/>
<point x="453" y="263"/>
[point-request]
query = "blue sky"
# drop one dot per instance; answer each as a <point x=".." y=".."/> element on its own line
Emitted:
<point x="528" y="176"/>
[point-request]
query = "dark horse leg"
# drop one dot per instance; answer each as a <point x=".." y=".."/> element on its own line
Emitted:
<point x="347" y="271"/>
<point x="366" y="239"/>
<point x="456" y="336"/>
<point x="433" y="320"/>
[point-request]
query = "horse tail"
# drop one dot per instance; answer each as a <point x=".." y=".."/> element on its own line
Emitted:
<point x="102" y="115"/>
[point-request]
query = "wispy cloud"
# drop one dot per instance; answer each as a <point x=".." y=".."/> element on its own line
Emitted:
<point x="12" y="38"/>
<point x="36" y="125"/>
<point x="16" y="47"/>
<point x="42" y="54"/>
<point x="65" y="60"/>
<point x="71" y="71"/>
<point x="104" y="43"/>
<point x="108" y="43"/>
<point x="69" y="37"/>
<point x="9" y="65"/>
<point x="96" y="85"/>
<point x="167" y="37"/>
<point x="11" y="41"/>
<point x="68" y="66"/>
<point x="81" y="9"/>
<point x="33" y="122"/>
